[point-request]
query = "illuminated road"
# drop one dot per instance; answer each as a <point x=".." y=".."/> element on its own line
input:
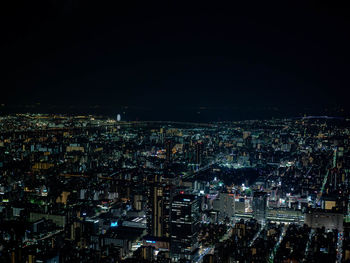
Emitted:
<point x="256" y="235"/>
<point x="204" y="252"/>
<point x="340" y="247"/>
<point x="274" y="251"/>
<point x="227" y="235"/>
<point x="334" y="163"/>
<point x="307" y="173"/>
<point x="322" y="188"/>
<point x="210" y="250"/>
<point x="307" y="247"/>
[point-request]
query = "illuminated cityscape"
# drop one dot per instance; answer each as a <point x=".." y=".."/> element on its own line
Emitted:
<point x="86" y="188"/>
<point x="142" y="132"/>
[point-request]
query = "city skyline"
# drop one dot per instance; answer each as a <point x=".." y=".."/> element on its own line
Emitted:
<point x="87" y="188"/>
<point x="145" y="132"/>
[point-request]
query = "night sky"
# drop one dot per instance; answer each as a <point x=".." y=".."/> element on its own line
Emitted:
<point x="176" y="59"/>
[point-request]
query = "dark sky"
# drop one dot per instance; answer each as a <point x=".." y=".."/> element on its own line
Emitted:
<point x="157" y="56"/>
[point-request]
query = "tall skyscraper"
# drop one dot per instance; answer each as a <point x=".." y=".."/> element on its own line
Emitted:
<point x="198" y="153"/>
<point x="158" y="212"/>
<point x="161" y="135"/>
<point x="184" y="227"/>
<point x="259" y="206"/>
<point x="168" y="149"/>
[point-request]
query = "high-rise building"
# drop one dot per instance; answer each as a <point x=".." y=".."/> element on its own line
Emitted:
<point x="198" y="153"/>
<point x="147" y="253"/>
<point x="161" y="135"/>
<point x="158" y="212"/>
<point x="259" y="206"/>
<point x="168" y="149"/>
<point x="185" y="219"/>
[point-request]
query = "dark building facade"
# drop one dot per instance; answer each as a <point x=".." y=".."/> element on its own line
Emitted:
<point x="323" y="218"/>
<point x="185" y="219"/>
<point x="199" y="153"/>
<point x="260" y="206"/>
<point x="158" y="212"/>
<point x="168" y="150"/>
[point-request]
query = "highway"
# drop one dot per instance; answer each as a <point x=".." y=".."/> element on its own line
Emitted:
<point x="218" y="159"/>
<point x="256" y="235"/>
